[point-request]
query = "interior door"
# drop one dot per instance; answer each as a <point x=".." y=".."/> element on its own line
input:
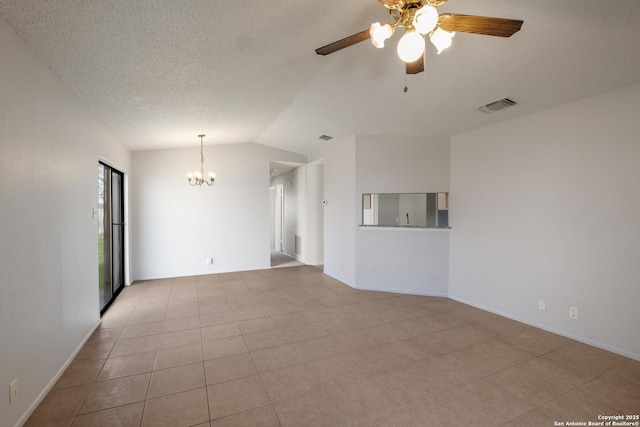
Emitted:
<point x="110" y="234"/>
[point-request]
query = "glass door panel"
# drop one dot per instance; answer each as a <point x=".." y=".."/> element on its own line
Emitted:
<point x="110" y="234"/>
<point x="117" y="231"/>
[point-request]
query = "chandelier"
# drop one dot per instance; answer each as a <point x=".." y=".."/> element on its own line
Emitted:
<point x="418" y="18"/>
<point x="197" y="178"/>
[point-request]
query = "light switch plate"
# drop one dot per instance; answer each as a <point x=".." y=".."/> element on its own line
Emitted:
<point x="13" y="391"/>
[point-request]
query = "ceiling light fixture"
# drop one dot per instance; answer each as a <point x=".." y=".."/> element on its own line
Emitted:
<point x="418" y="18"/>
<point x="441" y="39"/>
<point x="410" y="46"/>
<point x="197" y="178"/>
<point x="380" y="33"/>
<point x="425" y="19"/>
<point x="421" y="18"/>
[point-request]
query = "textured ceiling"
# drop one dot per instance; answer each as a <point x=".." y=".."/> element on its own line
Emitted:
<point x="159" y="72"/>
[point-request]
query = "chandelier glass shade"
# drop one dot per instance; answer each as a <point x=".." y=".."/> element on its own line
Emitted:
<point x="197" y="177"/>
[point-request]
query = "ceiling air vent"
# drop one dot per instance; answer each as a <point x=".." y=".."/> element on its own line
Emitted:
<point x="494" y="106"/>
<point x="325" y="137"/>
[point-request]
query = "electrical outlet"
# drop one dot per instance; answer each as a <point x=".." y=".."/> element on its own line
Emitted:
<point x="13" y="391"/>
<point x="541" y="305"/>
<point x="573" y="313"/>
<point x="209" y="261"/>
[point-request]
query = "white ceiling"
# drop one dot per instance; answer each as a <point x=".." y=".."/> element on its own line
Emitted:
<point x="159" y="72"/>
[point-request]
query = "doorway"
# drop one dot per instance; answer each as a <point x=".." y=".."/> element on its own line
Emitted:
<point x="110" y="234"/>
<point x="296" y="213"/>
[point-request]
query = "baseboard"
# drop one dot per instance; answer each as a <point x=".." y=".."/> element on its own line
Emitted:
<point x="394" y="290"/>
<point x="342" y="280"/>
<point x="55" y="378"/>
<point x="179" y="275"/>
<point x="403" y="291"/>
<point x="582" y="339"/>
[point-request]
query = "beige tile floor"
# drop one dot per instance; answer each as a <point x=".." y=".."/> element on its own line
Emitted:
<point x="293" y="347"/>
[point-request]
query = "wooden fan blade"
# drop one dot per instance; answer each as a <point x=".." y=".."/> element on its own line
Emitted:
<point x="479" y="24"/>
<point x="345" y="42"/>
<point x="416" y="66"/>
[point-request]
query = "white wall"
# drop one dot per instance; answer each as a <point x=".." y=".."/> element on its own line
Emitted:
<point x="315" y="214"/>
<point x="405" y="260"/>
<point x="49" y="150"/>
<point x="547" y="206"/>
<point x="290" y="209"/>
<point x="300" y="179"/>
<point x="401" y="260"/>
<point x="401" y="164"/>
<point x="309" y="180"/>
<point x="340" y="211"/>
<point x="175" y="227"/>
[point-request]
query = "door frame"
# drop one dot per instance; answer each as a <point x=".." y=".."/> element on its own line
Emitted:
<point x="272" y="218"/>
<point x="125" y="235"/>
<point x="279" y="218"/>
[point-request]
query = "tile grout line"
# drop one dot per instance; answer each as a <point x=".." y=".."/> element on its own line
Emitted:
<point x="302" y="307"/>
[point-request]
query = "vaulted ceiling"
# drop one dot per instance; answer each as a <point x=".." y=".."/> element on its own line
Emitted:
<point x="159" y="72"/>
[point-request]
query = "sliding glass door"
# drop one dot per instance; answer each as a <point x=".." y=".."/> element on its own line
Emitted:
<point x="110" y="234"/>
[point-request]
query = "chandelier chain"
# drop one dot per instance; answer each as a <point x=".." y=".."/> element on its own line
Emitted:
<point x="197" y="178"/>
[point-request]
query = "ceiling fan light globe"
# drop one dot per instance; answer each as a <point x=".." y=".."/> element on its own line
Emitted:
<point x="380" y="33"/>
<point x="441" y="39"/>
<point x="425" y="19"/>
<point x="410" y="46"/>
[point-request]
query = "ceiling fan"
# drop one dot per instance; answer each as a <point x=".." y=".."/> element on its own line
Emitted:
<point x="419" y="18"/>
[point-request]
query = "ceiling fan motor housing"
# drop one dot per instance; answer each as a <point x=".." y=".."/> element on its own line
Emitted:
<point x="434" y="3"/>
<point x="402" y="4"/>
